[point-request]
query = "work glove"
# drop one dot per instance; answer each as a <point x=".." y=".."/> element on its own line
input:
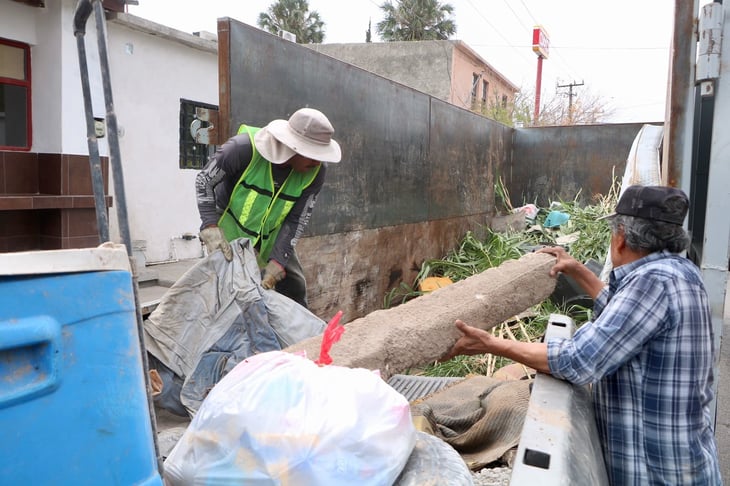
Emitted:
<point x="214" y="239"/>
<point x="273" y="274"/>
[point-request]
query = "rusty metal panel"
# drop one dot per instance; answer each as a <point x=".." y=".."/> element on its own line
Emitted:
<point x="407" y="157"/>
<point x="677" y="156"/>
<point x="417" y="173"/>
<point x="465" y="150"/>
<point x="561" y="162"/>
<point x="354" y="271"/>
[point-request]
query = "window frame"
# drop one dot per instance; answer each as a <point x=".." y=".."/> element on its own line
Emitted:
<point x="186" y="139"/>
<point x="27" y="84"/>
<point x="485" y="94"/>
<point x="474" y="89"/>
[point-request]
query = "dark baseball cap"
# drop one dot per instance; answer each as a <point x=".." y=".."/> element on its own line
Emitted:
<point x="651" y="202"/>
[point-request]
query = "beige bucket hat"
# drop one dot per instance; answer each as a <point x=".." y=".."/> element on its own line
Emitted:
<point x="307" y="132"/>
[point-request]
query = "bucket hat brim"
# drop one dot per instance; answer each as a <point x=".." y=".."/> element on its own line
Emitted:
<point x="277" y="142"/>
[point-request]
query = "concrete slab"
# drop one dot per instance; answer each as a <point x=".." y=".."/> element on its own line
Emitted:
<point x="169" y="273"/>
<point x="157" y="279"/>
<point x="422" y="330"/>
<point x="149" y="297"/>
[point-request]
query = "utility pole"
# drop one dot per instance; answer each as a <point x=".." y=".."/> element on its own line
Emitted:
<point x="570" y="95"/>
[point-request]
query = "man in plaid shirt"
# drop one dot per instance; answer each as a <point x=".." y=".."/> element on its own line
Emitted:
<point x="649" y="351"/>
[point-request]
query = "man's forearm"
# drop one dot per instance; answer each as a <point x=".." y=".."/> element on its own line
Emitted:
<point x="533" y="355"/>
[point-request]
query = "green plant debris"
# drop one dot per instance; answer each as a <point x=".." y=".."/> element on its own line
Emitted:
<point x="583" y="235"/>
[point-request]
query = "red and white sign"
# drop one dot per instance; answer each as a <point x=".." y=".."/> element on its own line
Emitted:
<point x="540" y="42"/>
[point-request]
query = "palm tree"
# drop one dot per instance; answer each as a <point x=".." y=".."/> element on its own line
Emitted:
<point x="293" y="16"/>
<point x="408" y="20"/>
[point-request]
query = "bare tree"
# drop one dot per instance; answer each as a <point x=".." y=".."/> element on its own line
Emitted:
<point x="586" y="109"/>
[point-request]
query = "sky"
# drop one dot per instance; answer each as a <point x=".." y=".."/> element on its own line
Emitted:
<point x="618" y="49"/>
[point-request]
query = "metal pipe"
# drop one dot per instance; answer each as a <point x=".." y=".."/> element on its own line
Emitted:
<point x="677" y="152"/>
<point x="81" y="16"/>
<point x="83" y="11"/>
<point x="97" y="179"/>
<point x="113" y="130"/>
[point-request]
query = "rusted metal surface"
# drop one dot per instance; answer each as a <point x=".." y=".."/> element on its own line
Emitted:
<point x="550" y="162"/>
<point x="353" y="271"/>
<point x="407" y="157"/>
<point x="465" y="151"/>
<point x="417" y="173"/>
<point x="680" y="110"/>
<point x="224" y="80"/>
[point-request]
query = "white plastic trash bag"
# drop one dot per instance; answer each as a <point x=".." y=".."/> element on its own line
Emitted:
<point x="280" y="419"/>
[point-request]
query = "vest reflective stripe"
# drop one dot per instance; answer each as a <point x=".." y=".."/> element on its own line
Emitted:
<point x="247" y="207"/>
<point x="254" y="211"/>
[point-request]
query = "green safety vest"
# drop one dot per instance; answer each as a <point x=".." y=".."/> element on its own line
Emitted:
<point x="254" y="211"/>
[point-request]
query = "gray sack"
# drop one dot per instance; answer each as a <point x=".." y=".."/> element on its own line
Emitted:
<point x="212" y="318"/>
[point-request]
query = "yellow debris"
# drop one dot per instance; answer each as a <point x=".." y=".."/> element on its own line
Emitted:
<point x="429" y="284"/>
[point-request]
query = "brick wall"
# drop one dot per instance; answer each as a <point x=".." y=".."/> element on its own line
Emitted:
<point x="47" y="202"/>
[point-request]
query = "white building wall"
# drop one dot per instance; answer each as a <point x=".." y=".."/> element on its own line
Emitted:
<point x="47" y="75"/>
<point x="73" y="118"/>
<point x="18" y="22"/>
<point x="150" y="74"/>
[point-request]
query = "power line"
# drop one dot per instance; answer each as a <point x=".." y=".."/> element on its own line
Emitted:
<point x="529" y="30"/>
<point x="516" y="16"/>
<point x="600" y="48"/>
<point x="536" y="23"/>
<point x="495" y="29"/>
<point x="529" y="13"/>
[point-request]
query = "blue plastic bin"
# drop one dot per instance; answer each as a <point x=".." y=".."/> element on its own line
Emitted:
<point x="73" y="404"/>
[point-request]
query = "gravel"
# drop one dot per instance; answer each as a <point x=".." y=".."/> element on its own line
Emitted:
<point x="494" y="476"/>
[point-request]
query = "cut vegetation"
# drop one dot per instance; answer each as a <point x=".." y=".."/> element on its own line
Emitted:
<point x="583" y="235"/>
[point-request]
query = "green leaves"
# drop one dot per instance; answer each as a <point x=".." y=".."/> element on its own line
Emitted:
<point x="414" y="20"/>
<point x="293" y="16"/>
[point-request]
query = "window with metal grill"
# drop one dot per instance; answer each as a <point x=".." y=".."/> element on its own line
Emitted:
<point x="193" y="155"/>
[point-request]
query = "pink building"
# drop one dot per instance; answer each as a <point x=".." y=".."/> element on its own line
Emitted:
<point x="448" y="69"/>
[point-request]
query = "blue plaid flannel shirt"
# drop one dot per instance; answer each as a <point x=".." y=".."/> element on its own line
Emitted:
<point x="649" y="354"/>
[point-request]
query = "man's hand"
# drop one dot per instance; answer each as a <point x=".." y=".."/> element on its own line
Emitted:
<point x="214" y="239"/>
<point x="273" y="274"/>
<point x="574" y="269"/>
<point x="478" y="341"/>
<point x="474" y="341"/>
<point x="565" y="264"/>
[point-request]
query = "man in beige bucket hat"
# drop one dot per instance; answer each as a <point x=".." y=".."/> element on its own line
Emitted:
<point x="262" y="185"/>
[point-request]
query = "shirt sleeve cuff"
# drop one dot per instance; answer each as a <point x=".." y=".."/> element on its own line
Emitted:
<point x="553" y="355"/>
<point x="600" y="301"/>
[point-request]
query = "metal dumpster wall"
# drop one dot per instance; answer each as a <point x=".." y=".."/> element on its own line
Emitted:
<point x="550" y="162"/>
<point x="416" y="174"/>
